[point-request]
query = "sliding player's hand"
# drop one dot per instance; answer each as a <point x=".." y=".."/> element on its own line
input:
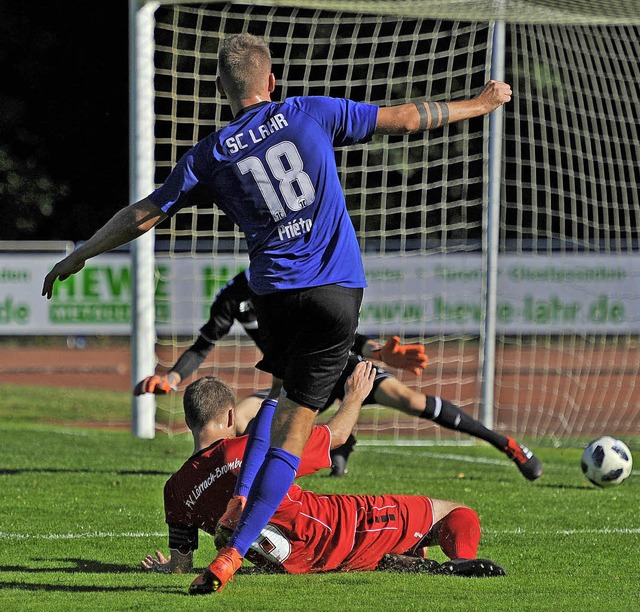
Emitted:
<point x="159" y="385"/>
<point x="406" y="356"/>
<point x="360" y="383"/>
<point x="159" y="563"/>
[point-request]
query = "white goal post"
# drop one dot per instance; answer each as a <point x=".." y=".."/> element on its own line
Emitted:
<point x="508" y="246"/>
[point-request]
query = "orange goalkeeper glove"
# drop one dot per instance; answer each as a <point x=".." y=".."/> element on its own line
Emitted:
<point x="406" y="356"/>
<point x="160" y="385"/>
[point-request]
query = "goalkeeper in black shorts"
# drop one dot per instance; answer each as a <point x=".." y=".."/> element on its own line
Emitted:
<point x="234" y="303"/>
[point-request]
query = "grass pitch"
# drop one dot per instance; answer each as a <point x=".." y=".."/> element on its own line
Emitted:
<point x="81" y="506"/>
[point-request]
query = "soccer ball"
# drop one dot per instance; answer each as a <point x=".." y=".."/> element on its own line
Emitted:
<point x="606" y="461"/>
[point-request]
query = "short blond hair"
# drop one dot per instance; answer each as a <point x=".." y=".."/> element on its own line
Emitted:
<point x="244" y="62"/>
<point x="207" y="399"/>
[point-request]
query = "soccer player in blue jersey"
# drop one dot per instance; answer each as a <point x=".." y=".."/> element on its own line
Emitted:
<point x="272" y="170"/>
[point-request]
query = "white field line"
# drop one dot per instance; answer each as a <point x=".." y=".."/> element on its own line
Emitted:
<point x="95" y="535"/>
<point x="401" y="451"/>
<point x="107" y="535"/>
<point x="452" y="456"/>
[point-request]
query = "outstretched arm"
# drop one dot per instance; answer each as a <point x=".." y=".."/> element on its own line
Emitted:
<point x="126" y="225"/>
<point x="230" y="304"/>
<point x="187" y="363"/>
<point x="359" y="385"/>
<point x="420" y="116"/>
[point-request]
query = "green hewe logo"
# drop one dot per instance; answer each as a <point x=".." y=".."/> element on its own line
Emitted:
<point x="101" y="294"/>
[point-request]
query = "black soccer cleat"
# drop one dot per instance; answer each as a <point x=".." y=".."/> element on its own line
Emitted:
<point x="528" y="464"/>
<point x="338" y="466"/>
<point x="339" y="457"/>
<point x="471" y="568"/>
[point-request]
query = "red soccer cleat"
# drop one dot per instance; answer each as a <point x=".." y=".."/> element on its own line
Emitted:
<point x="528" y="464"/>
<point x="218" y="573"/>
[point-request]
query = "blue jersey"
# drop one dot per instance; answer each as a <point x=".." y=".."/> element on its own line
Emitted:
<point x="272" y="170"/>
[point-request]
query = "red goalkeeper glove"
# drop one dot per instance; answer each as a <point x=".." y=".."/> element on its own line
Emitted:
<point x="406" y="356"/>
<point x="160" y="385"/>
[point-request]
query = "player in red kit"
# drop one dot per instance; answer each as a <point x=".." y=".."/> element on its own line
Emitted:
<point x="308" y="532"/>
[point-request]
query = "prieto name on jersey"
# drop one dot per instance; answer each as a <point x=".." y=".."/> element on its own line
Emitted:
<point x="254" y="136"/>
<point x="293" y="229"/>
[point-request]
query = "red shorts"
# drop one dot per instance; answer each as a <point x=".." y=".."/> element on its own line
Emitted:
<point x="319" y="533"/>
<point x="390" y="524"/>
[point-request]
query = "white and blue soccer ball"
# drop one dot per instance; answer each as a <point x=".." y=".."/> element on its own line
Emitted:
<point x="606" y="461"/>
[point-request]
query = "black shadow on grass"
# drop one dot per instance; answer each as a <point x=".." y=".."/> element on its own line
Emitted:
<point x="78" y="566"/>
<point x="89" y="566"/>
<point x="17" y="471"/>
<point x="564" y="486"/>
<point x="22" y="586"/>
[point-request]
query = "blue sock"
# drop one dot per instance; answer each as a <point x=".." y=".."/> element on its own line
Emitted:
<point x="271" y="485"/>
<point x="257" y="445"/>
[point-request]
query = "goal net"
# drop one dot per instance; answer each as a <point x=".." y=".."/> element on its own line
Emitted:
<point x="568" y="294"/>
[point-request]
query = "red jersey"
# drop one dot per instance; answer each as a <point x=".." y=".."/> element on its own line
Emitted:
<point x="308" y="532"/>
<point x="196" y="496"/>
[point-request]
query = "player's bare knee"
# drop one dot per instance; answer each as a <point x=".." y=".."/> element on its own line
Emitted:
<point x="442" y="507"/>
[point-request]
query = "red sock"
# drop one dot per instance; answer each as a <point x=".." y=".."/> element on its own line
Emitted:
<point x="459" y="534"/>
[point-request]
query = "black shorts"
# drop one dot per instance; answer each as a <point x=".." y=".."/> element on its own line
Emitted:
<point x="306" y="336"/>
<point x="338" y="391"/>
